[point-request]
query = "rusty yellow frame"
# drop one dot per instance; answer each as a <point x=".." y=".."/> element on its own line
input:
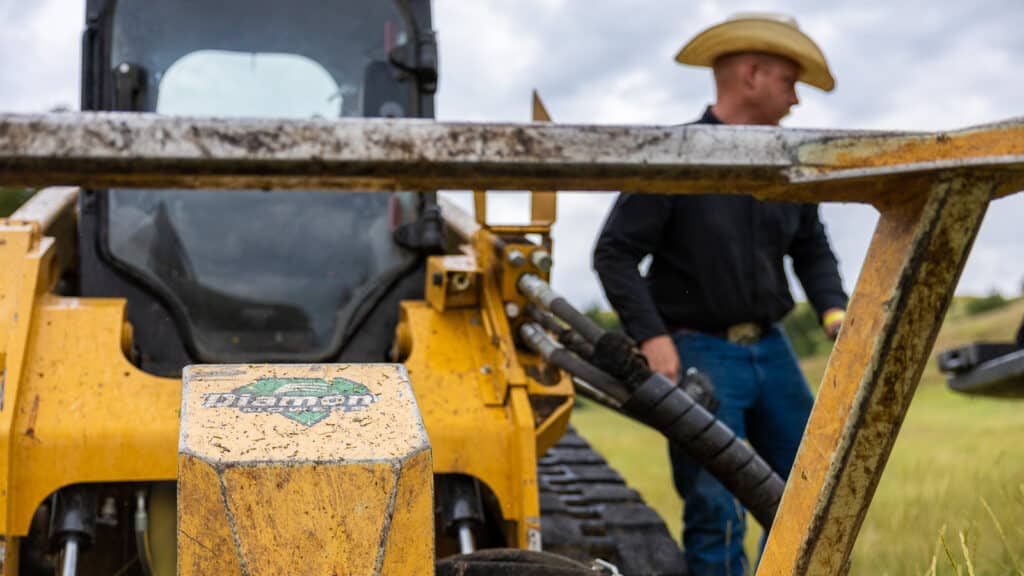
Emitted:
<point x="543" y="206"/>
<point x="932" y="191"/>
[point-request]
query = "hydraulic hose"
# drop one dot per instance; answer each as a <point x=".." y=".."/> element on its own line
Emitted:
<point x="539" y="341"/>
<point x="540" y="294"/>
<point x="654" y="400"/>
<point x="566" y="336"/>
<point x="664" y="406"/>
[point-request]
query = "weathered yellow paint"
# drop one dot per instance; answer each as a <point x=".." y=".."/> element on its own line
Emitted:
<point x="844" y="372"/>
<point x="543" y="204"/>
<point x="452" y="384"/>
<point x="72" y="410"/>
<point x="409" y="539"/>
<point x="528" y="534"/>
<point x="452" y="282"/>
<point x="867" y="151"/>
<point x="500" y="334"/>
<point x="205" y="542"/>
<point x="52" y="211"/>
<point x="916" y="256"/>
<point x="473" y="363"/>
<point x="551" y="396"/>
<point x="100" y="419"/>
<point x="16" y="259"/>
<point x="306" y="498"/>
<point x="83" y="413"/>
<point x="480" y="207"/>
<point x="312" y="519"/>
<point x="22" y="265"/>
<point x="478" y="393"/>
<point x="551" y="429"/>
<point x="385" y="427"/>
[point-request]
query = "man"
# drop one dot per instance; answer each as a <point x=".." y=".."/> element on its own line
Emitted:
<point x="716" y="286"/>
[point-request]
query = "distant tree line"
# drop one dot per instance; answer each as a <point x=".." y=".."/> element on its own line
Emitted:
<point x="978" y="305"/>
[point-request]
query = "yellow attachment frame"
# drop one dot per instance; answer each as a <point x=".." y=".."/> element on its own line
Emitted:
<point x="932" y="191"/>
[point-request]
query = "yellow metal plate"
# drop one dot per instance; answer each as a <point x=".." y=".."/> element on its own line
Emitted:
<point x="303" y="469"/>
<point x="313" y="413"/>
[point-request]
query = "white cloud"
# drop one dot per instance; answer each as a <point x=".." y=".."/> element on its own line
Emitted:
<point x="41" y="43"/>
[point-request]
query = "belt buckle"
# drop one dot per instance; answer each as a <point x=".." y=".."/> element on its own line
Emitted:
<point x="746" y="333"/>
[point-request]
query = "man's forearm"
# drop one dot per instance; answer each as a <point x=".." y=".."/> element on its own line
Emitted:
<point x="628" y="294"/>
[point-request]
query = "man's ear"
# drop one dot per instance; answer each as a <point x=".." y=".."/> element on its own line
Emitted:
<point x="748" y="72"/>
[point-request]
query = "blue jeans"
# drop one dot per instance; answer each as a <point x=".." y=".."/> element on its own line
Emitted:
<point x="763" y="397"/>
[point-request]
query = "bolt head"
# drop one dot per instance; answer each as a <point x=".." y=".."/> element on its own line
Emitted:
<point x="516" y="258"/>
<point x="541" y="259"/>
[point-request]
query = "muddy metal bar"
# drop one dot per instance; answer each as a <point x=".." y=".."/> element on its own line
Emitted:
<point x="932" y="191"/>
<point x="916" y="256"/>
<point x="145" y="150"/>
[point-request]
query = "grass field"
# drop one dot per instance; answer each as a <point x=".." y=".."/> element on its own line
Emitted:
<point x="951" y="500"/>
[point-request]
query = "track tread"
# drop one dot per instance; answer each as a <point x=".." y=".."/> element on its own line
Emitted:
<point x="588" y="511"/>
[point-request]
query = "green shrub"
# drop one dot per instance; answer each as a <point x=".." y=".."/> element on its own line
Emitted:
<point x="805" y="332"/>
<point x="975" y="306"/>
<point x="606" y="319"/>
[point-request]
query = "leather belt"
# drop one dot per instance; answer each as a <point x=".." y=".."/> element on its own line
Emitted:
<point x="743" y="333"/>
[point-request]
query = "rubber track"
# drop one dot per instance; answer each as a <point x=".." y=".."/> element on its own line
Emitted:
<point x="588" y="512"/>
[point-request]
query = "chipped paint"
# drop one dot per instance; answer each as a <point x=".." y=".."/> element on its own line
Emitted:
<point x="262" y="494"/>
<point x="915" y="259"/>
<point x="932" y="190"/>
<point x="995" y="142"/>
<point x="244" y="420"/>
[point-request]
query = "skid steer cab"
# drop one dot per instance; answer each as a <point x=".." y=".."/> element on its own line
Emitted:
<point x="262" y="381"/>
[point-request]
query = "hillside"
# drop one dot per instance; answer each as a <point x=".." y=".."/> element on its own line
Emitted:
<point x="960" y="328"/>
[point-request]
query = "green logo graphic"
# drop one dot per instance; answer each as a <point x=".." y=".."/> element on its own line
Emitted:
<point x="304" y="400"/>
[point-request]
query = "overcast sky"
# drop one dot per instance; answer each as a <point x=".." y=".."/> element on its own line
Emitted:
<point x="898" y="64"/>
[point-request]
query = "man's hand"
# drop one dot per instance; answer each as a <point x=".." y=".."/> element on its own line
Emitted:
<point x="661" y="356"/>
<point x="832" y="321"/>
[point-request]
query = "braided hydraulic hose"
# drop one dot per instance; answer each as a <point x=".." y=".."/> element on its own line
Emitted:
<point x="655" y="401"/>
<point x="662" y="405"/>
<point x="539" y="341"/>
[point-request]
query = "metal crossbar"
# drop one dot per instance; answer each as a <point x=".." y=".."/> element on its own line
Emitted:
<point x="145" y="150"/>
<point x="932" y="190"/>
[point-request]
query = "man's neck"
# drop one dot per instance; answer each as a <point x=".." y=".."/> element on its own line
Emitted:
<point x="732" y="114"/>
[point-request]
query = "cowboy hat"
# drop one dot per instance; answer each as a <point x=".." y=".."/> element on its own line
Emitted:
<point x="758" y="32"/>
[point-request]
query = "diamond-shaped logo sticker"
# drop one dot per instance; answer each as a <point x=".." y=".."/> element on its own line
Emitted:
<point x="304" y="400"/>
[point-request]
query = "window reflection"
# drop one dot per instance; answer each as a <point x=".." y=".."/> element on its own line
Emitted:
<point x="243" y="84"/>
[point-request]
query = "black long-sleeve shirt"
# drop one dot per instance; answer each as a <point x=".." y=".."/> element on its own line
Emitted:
<point x="717" y="260"/>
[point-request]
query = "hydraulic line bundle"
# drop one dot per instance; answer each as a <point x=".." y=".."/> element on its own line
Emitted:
<point x="607" y="368"/>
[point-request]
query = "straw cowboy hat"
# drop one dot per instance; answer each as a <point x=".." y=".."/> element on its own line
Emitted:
<point x="760" y="32"/>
